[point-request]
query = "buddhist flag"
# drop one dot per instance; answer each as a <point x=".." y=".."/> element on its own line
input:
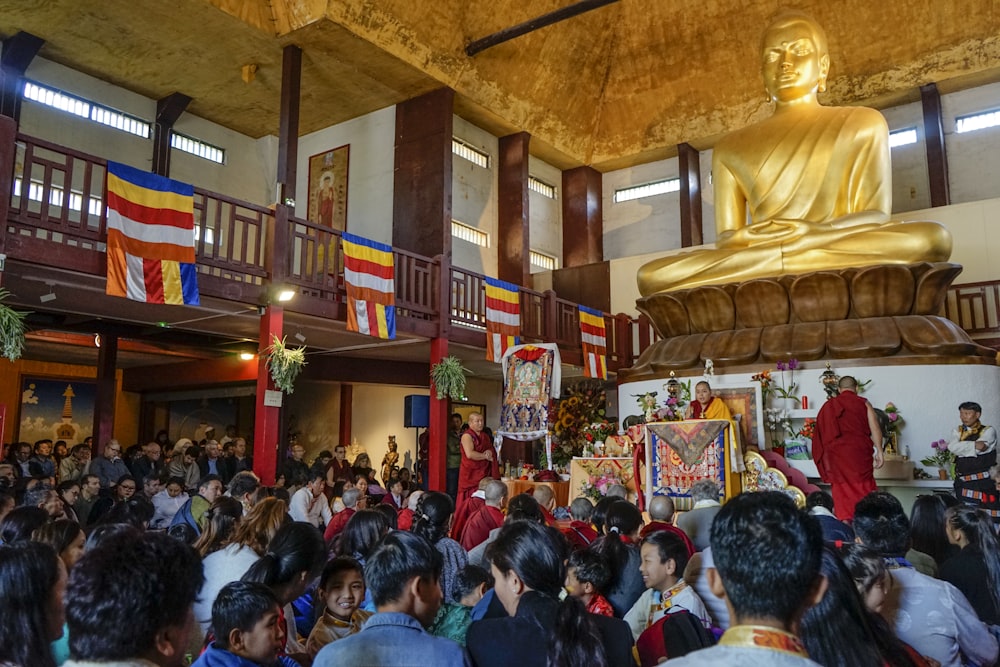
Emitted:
<point x="503" y="317"/>
<point x="595" y="343"/>
<point x="150" y="237"/>
<point x="369" y="274"/>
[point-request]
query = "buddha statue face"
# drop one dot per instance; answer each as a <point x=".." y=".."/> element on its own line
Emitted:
<point x="795" y="61"/>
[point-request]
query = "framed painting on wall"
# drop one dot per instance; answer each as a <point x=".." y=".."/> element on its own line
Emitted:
<point x="328" y="188"/>
<point x="56" y="408"/>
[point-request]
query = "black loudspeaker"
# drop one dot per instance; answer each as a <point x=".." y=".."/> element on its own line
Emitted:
<point x="416" y="411"/>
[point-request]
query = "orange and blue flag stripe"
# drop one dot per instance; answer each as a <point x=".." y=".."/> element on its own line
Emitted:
<point x="503" y="317"/>
<point x="150" y="248"/>
<point x="594" y="342"/>
<point x="369" y="275"/>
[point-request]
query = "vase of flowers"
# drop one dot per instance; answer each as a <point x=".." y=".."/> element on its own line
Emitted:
<point x="780" y="393"/>
<point x="942" y="458"/>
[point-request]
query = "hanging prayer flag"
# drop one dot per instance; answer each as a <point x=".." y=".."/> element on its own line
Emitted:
<point x="503" y="317"/>
<point x="369" y="275"/>
<point x="150" y="248"/>
<point x="595" y="343"/>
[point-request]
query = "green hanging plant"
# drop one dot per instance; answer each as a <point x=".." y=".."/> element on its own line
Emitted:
<point x="448" y="376"/>
<point x="11" y="329"/>
<point x="285" y="363"/>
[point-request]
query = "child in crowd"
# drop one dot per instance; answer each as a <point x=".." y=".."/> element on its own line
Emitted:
<point x="341" y="591"/>
<point x="664" y="557"/>
<point x="587" y="576"/>
<point x="248" y="632"/>
<point x="453" y="619"/>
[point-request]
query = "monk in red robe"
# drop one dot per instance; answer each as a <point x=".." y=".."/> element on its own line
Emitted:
<point x="846" y="432"/>
<point x="489" y="517"/>
<point x="478" y="458"/>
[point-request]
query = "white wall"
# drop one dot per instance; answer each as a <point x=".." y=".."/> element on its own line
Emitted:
<point x="248" y="173"/>
<point x="369" y="172"/>
<point x="378" y="413"/>
<point x="973" y="157"/>
<point x="544" y="214"/>
<point x="474" y="199"/>
<point x="910" y="189"/>
<point x="650" y="224"/>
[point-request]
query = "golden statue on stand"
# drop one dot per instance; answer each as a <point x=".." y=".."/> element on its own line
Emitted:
<point x="815" y="181"/>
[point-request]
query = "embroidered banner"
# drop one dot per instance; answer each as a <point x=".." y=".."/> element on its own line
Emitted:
<point x="682" y="453"/>
<point x="503" y="317"/>
<point x="595" y="343"/>
<point x="369" y="276"/>
<point x="150" y="250"/>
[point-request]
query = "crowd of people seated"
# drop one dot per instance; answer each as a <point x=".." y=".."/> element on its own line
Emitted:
<point x="147" y="567"/>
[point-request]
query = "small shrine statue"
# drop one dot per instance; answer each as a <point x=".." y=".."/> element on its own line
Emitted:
<point x="390" y="462"/>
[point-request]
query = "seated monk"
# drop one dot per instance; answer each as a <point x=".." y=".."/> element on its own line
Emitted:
<point x="706" y="406"/>
<point x="816" y="181"/>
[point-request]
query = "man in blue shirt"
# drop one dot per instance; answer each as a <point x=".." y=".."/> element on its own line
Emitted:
<point x="402" y="574"/>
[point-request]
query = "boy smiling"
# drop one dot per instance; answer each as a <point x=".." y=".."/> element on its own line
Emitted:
<point x="341" y="590"/>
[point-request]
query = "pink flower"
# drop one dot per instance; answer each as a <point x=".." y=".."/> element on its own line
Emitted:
<point x="893" y="416"/>
<point x="793" y="364"/>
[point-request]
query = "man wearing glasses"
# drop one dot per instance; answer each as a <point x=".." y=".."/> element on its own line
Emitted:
<point x="110" y="466"/>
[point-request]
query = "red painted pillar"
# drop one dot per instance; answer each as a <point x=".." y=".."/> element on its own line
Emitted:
<point x="266" y="418"/>
<point x="438" y="432"/>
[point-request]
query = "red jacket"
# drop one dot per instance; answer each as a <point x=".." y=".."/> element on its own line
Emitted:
<point x="580" y="534"/>
<point x="338" y="522"/>
<point x="479" y="526"/>
<point x="464" y="512"/>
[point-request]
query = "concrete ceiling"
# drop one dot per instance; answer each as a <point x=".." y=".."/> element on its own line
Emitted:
<point x="616" y="86"/>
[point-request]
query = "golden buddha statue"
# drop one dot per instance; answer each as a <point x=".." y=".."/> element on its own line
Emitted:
<point x="815" y="180"/>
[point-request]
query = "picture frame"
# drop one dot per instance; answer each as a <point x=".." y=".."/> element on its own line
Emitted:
<point x="466" y="409"/>
<point x="328" y="174"/>
<point x="59" y="408"/>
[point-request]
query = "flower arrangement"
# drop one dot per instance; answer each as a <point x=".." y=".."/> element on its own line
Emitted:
<point x="808" y="428"/>
<point x="596" y="486"/>
<point x="671" y="411"/>
<point x="942" y="457"/>
<point x="770" y="388"/>
<point x="894" y="417"/>
<point x="597" y="432"/>
<point x="778" y="425"/>
<point x="582" y="405"/>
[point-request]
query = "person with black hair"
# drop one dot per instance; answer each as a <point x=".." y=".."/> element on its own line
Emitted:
<point x="123" y="489"/>
<point x="620" y="547"/>
<point x="587" y="577"/>
<point x="820" y="505"/>
<point x="599" y="512"/>
<point x="929" y="545"/>
<point x="664" y="557"/>
<point x="974" y="445"/>
<point x="309" y="503"/>
<point x="930" y="615"/>
<point x="403" y="575"/>
<point x="32" y="584"/>
<point x="221" y="520"/>
<point x="130" y="599"/>
<point x="765" y="602"/>
<point x="528" y="566"/>
<point x="294" y="557"/>
<point x="136" y="511"/>
<point x="975" y="569"/>
<point x="339" y="596"/>
<point x="243" y="486"/>
<point x="390" y="514"/>
<point x="65" y="536"/>
<point x="20" y="523"/>
<point x="247" y="617"/>
<point x="837" y="630"/>
<point x="193" y="511"/>
<point x="432" y="521"/>
<point x="453" y="619"/>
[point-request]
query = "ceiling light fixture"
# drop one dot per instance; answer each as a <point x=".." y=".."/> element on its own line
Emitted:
<point x="286" y="294"/>
<point x="46" y="298"/>
<point x="247" y="356"/>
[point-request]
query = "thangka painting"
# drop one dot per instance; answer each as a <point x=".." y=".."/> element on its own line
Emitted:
<point x="59" y="409"/>
<point x="745" y="401"/>
<point x="526" y="392"/>
<point x="682" y="453"/>
<point x="328" y="188"/>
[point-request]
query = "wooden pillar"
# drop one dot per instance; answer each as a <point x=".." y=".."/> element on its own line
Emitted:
<point x="513" y="244"/>
<point x="346" y="409"/>
<point x="437" y="433"/>
<point x="104" y="400"/>
<point x="168" y="110"/>
<point x="937" y="155"/>
<point x="288" y="127"/>
<point x="421" y="198"/>
<point x="266" y="417"/>
<point x="583" y="217"/>
<point x="690" y="173"/>
<point x="18" y="52"/>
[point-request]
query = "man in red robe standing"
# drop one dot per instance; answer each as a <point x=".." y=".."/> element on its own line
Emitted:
<point x="478" y="458"/>
<point x="846" y="431"/>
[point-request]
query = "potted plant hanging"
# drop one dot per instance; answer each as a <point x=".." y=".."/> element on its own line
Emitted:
<point x="285" y="363"/>
<point x="11" y="329"/>
<point x="448" y="376"/>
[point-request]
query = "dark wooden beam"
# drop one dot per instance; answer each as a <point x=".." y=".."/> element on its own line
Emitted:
<point x="507" y="34"/>
<point x="18" y="52"/>
<point x="513" y="243"/>
<point x="104" y="400"/>
<point x="8" y="151"/>
<point x="190" y="375"/>
<point x="421" y="197"/>
<point x="690" y="173"/>
<point x="937" y="154"/>
<point x="168" y="110"/>
<point x="355" y="370"/>
<point x="288" y="129"/>
<point x="583" y="217"/>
